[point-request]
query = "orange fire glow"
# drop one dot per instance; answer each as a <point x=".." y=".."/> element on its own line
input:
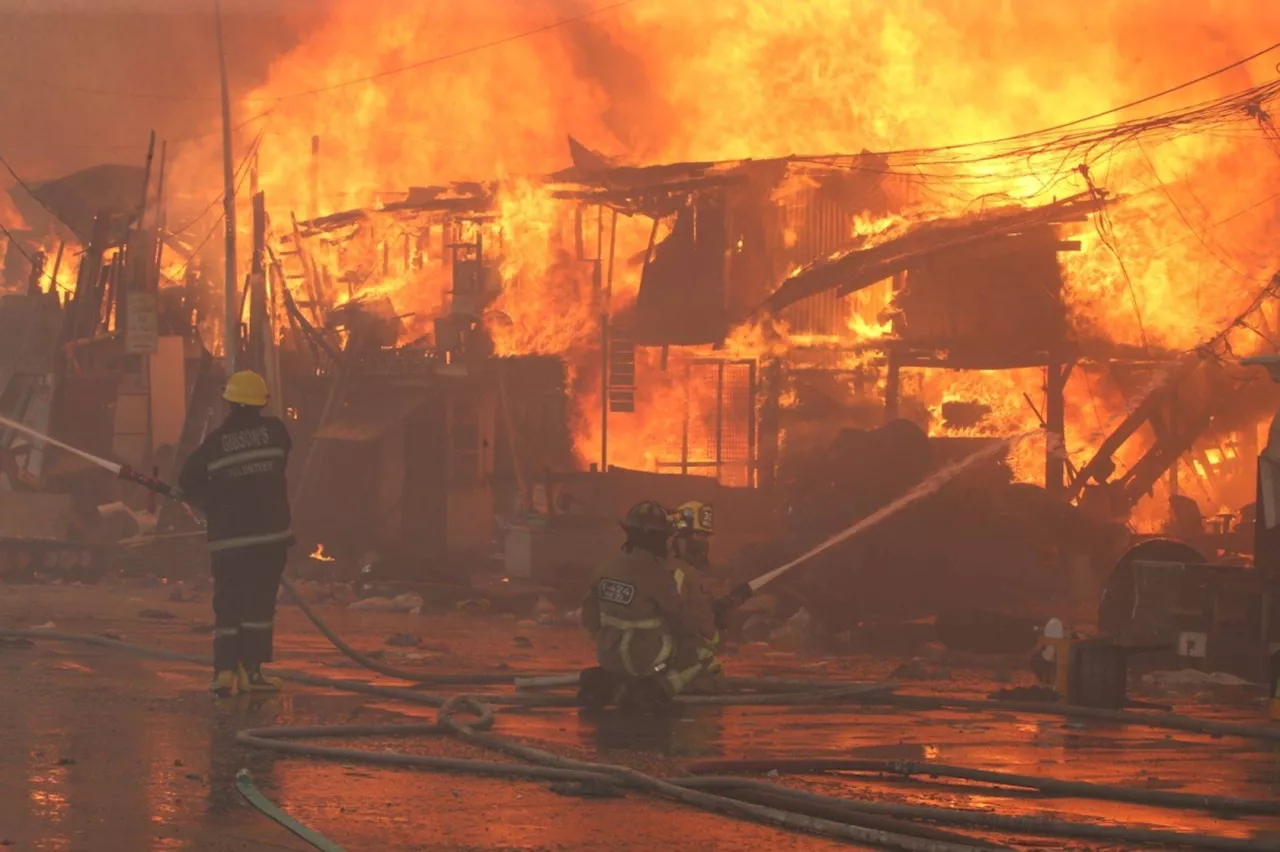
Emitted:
<point x="661" y="81"/>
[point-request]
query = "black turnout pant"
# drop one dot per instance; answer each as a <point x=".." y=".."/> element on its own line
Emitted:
<point x="245" y="583"/>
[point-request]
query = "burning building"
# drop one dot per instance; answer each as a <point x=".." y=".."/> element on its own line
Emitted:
<point x="707" y="312"/>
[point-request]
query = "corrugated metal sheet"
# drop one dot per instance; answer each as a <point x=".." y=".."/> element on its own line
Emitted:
<point x="818" y="226"/>
<point x="821" y="224"/>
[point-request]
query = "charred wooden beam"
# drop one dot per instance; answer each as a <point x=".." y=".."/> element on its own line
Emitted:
<point x="875" y="258"/>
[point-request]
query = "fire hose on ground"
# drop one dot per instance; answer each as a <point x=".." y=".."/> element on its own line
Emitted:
<point x="742" y="797"/>
<point x="868" y="822"/>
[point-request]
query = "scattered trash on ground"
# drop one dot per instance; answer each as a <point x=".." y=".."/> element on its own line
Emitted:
<point x="1039" y="694"/>
<point x="546" y="612"/>
<point x="404" y="640"/>
<point x="917" y="670"/>
<point x="409" y="602"/>
<point x="522" y="641"/>
<point x="1191" y="678"/>
<point x="586" y="789"/>
<point x="319" y="592"/>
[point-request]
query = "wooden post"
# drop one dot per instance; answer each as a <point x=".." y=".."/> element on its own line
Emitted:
<point x="604" y="391"/>
<point x="892" y="387"/>
<point x="146" y="181"/>
<point x="603" y="290"/>
<point x="751" y="424"/>
<point x="259" y="329"/>
<point x="613" y="243"/>
<point x="893" y="368"/>
<point x="231" y="318"/>
<point x="86" y="298"/>
<point x="36" y="273"/>
<point x="57" y="265"/>
<point x="719" y="417"/>
<point x="162" y="214"/>
<point x="770" y="423"/>
<point x="684" y="431"/>
<point x="1055" y="463"/>
<point x="315" y="177"/>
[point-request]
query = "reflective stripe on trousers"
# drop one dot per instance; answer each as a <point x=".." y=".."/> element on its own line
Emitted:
<point x="629" y="629"/>
<point x="707" y="664"/>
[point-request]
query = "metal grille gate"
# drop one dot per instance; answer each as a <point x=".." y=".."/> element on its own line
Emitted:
<point x="718" y="438"/>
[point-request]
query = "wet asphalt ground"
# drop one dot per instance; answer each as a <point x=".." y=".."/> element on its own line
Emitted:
<point x="101" y="750"/>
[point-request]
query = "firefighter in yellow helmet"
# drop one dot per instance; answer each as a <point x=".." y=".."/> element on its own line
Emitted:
<point x="237" y="477"/>
<point x="693" y="527"/>
<point x="653" y="629"/>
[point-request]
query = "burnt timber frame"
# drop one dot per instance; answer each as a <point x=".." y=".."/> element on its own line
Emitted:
<point x="1177" y="417"/>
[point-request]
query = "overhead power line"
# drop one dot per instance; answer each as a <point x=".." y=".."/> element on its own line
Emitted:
<point x="163" y="96"/>
<point x="457" y="53"/>
<point x="1095" y="116"/>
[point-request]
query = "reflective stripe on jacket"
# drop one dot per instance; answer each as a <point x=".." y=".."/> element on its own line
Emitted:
<point x="650" y="616"/>
<point x="237" y="476"/>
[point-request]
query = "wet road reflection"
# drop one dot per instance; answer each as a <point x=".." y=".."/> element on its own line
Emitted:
<point x="114" y="747"/>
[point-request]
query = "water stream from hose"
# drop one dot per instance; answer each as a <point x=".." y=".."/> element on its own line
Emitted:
<point x="926" y="487"/>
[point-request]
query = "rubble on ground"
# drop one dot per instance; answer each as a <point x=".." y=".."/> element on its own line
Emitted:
<point x="918" y="669"/>
<point x="409" y="602"/>
<point x="404" y="640"/>
<point x="319" y="592"/>
<point x="1190" y="679"/>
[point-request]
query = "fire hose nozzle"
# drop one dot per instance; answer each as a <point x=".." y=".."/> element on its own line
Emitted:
<point x="151" y="483"/>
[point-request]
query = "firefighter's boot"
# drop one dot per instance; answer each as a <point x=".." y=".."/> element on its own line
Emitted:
<point x="223" y="684"/>
<point x="597" y="689"/>
<point x="650" y="695"/>
<point x="252" y="680"/>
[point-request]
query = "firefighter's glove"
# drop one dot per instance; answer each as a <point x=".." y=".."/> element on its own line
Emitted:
<point x="725" y="606"/>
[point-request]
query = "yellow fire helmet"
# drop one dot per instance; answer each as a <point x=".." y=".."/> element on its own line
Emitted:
<point x="246" y="388"/>
<point x="693" y="517"/>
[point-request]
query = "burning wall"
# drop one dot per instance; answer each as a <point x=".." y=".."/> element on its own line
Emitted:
<point x="658" y="80"/>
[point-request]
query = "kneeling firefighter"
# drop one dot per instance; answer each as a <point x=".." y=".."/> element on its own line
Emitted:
<point x="692" y="525"/>
<point x="692" y="539"/>
<point x="237" y="477"/>
<point x="654" y="631"/>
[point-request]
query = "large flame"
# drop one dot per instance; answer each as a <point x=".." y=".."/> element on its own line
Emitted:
<point x="664" y="80"/>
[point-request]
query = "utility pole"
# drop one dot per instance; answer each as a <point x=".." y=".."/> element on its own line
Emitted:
<point x="231" y="332"/>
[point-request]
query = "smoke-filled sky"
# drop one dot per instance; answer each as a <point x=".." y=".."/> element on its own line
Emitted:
<point x="84" y="81"/>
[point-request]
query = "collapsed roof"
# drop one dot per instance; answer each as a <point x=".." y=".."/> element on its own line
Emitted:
<point x="875" y="257"/>
<point x="77" y="198"/>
